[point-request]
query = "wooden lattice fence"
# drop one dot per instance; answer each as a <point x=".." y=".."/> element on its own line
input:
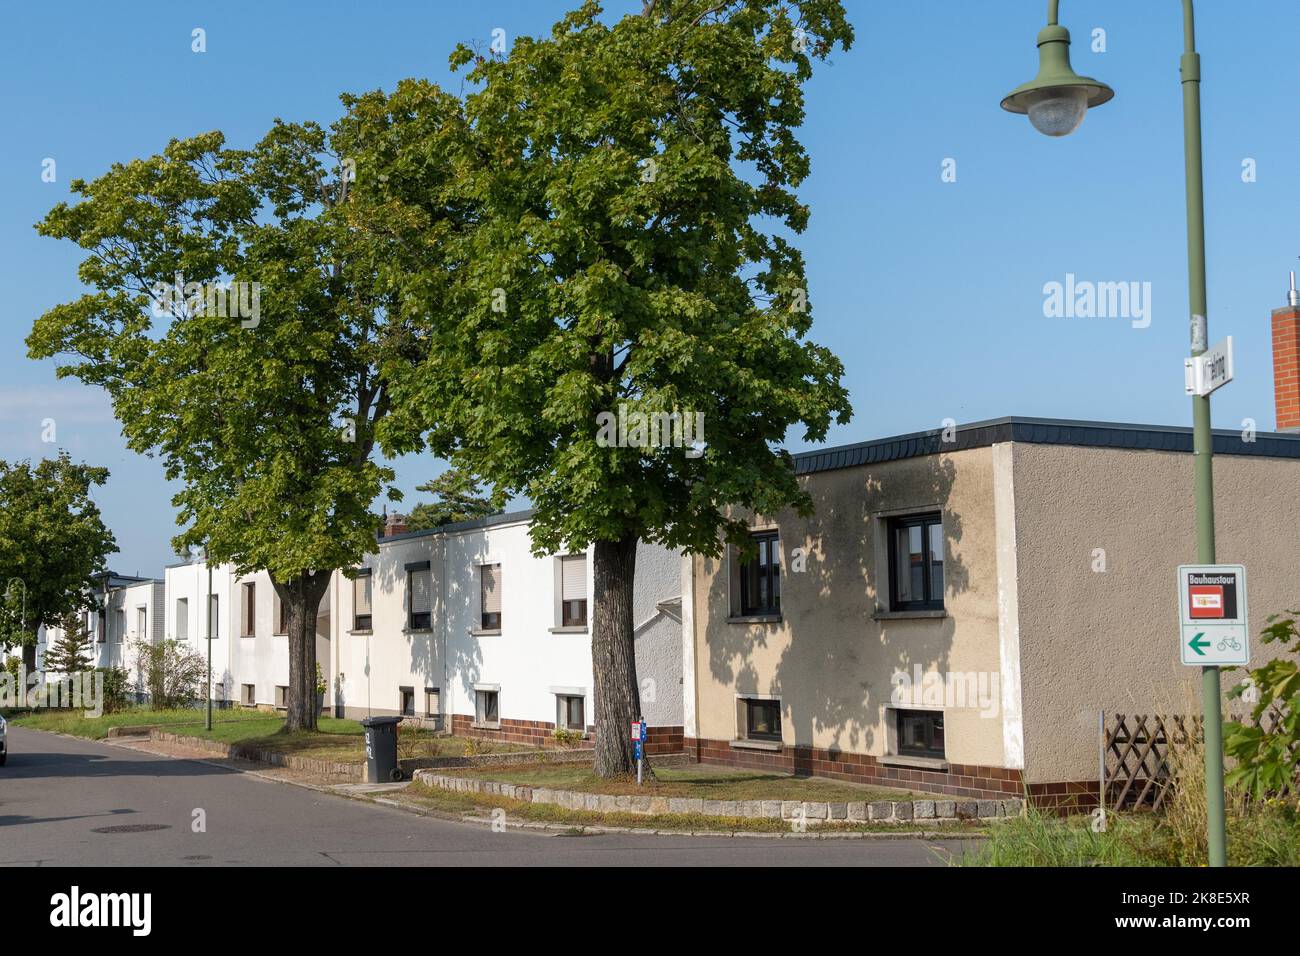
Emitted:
<point x="1135" y="763"/>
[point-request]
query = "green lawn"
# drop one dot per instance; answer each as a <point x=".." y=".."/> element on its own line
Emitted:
<point x="334" y="739"/>
<point x="707" y="783"/>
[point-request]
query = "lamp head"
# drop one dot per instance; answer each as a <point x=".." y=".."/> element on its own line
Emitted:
<point x="1056" y="99"/>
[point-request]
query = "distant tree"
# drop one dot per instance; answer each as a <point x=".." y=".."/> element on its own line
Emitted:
<point x="265" y="411"/>
<point x="52" y="542"/>
<point x="74" y="651"/>
<point x="631" y="259"/>
<point x="458" y="498"/>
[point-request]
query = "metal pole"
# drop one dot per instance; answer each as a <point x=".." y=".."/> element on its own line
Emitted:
<point x="209" y="566"/>
<point x="1202" y="437"/>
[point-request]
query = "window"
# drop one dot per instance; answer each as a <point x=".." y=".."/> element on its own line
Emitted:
<point x="920" y="733"/>
<point x="141" y="622"/>
<point x="119" y="624"/>
<point x="250" y="609"/>
<point x="407" y="696"/>
<point x="916" y="563"/>
<point x="490" y="597"/>
<point x="213" y="624"/>
<point x="182" y="619"/>
<point x="570" y="713"/>
<point x="248" y="695"/>
<point x="432" y="698"/>
<point x="362" y="616"/>
<point x="485" y="707"/>
<point x="419" y="588"/>
<point x="573" y="590"/>
<point x="762" y="719"/>
<point x="760" y="577"/>
<point x="281" y="617"/>
<point x="281" y="697"/>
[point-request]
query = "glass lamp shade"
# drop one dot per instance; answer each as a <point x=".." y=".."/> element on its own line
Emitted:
<point x="1057" y="111"/>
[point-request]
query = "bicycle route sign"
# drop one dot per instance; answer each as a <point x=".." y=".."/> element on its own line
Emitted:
<point x="1212" y="614"/>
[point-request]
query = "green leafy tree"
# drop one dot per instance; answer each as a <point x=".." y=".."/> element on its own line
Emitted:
<point x="264" y="410"/>
<point x="73" y="652"/>
<point x="1267" y="750"/>
<point x="52" y="542"/>
<point x="633" y="196"/>
<point x="457" y="498"/>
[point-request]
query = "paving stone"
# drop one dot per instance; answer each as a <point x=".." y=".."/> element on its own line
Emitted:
<point x="790" y="809"/>
<point x="967" y="809"/>
<point x="816" y="811"/>
<point x="903" y="810"/>
<point x="838" y="811"/>
<point x="772" y="809"/>
<point x="988" y="808"/>
<point x="945" y="809"/>
<point x="858" y="811"/>
<point x="881" y="810"/>
<point x="923" y="810"/>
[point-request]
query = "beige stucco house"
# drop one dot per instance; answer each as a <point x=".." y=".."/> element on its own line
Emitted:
<point x="963" y="604"/>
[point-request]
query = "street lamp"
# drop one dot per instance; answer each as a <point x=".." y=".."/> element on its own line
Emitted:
<point x="1056" y="100"/>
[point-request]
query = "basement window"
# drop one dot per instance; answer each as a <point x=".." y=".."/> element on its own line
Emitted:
<point x="760" y="719"/>
<point x="920" y="733"/>
<point x="570" y="712"/>
<point x="248" y="695"/>
<point x="486" y="708"/>
<point x="281" y="697"/>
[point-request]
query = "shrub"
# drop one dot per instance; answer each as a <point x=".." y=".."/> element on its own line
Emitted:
<point x="1268" y="756"/>
<point x="171" y="673"/>
<point x="117" y="689"/>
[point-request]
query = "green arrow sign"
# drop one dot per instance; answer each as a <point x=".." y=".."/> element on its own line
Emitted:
<point x="1196" y="643"/>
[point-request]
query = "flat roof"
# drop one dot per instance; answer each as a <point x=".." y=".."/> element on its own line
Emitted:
<point x="506" y="517"/>
<point x="1044" y="431"/>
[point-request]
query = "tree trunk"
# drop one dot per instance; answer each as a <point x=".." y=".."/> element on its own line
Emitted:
<point x="29" y="657"/>
<point x="613" y="657"/>
<point x="301" y="597"/>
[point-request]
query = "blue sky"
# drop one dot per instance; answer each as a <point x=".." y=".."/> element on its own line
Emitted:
<point x="930" y="292"/>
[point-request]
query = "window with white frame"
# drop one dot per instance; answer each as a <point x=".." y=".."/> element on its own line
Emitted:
<point x="119" y="624"/>
<point x="281" y="616"/>
<point x="214" y="608"/>
<point x="570" y="712"/>
<point x="490" y="597"/>
<point x="182" y="619"/>
<point x="362" y="615"/>
<point x="919" y="733"/>
<point x="419" y="590"/>
<point x="141" y="622"/>
<point x="486" y="708"/>
<point x="573" y="590"/>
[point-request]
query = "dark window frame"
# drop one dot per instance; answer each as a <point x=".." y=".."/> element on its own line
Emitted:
<point x="924" y="521"/>
<point x="752" y="573"/>
<point x="406" y="695"/>
<point x="759" y="703"/>
<point x="488" y="620"/>
<point x="363" y="622"/>
<point x="929" y="750"/>
<point x="562" y="708"/>
<point x="417" y="620"/>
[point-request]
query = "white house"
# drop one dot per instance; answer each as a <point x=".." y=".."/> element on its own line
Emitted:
<point x="464" y="627"/>
<point x="129" y="610"/>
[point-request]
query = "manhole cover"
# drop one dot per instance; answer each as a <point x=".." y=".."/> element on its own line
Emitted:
<point x="132" y="828"/>
<point x="197" y="856"/>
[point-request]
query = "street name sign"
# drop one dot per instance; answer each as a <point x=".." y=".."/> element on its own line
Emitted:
<point x="1212" y="615"/>
<point x="1210" y="370"/>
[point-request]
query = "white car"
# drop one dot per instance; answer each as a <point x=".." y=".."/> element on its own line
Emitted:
<point x="4" y="750"/>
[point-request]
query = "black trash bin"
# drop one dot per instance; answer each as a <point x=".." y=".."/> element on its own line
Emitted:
<point x="381" y="748"/>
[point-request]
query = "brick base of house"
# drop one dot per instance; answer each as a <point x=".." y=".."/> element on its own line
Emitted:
<point x="539" y="734"/>
<point x="959" y="780"/>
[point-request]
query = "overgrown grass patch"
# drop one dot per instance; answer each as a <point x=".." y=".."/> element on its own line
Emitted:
<point x="708" y="783"/>
<point x="432" y="798"/>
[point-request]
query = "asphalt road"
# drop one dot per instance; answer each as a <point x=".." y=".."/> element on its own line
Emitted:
<point x="57" y="793"/>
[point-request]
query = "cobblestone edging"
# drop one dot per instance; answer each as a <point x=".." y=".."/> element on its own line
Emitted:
<point x="878" y="811"/>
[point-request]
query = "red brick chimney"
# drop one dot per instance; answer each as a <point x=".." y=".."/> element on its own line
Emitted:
<point x="1286" y="362"/>
<point x="396" y="524"/>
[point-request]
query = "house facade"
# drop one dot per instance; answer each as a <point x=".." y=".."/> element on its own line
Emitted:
<point x="957" y="614"/>
<point x="128" y="610"/>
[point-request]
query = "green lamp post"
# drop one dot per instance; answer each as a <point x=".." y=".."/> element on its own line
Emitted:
<point x="1056" y="101"/>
